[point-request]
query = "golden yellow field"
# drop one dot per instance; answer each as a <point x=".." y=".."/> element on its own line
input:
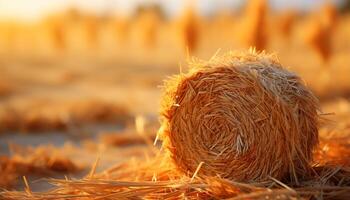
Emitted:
<point x="86" y="113"/>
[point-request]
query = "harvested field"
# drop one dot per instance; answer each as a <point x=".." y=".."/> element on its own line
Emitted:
<point x="248" y="102"/>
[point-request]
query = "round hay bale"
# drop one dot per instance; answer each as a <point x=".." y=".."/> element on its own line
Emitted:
<point x="241" y="116"/>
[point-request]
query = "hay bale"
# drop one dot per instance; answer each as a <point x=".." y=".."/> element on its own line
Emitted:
<point x="243" y="115"/>
<point x="319" y="38"/>
<point x="146" y="28"/>
<point x="253" y="29"/>
<point x="329" y="15"/>
<point x="286" y="22"/>
<point x="321" y="31"/>
<point x="188" y="30"/>
<point x="51" y="34"/>
<point x="120" y="30"/>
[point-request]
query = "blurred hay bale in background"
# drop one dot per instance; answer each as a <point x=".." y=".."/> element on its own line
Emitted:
<point x="82" y="31"/>
<point x="318" y="38"/>
<point x="145" y="28"/>
<point x="286" y="23"/>
<point x="51" y="35"/>
<point x="253" y="26"/>
<point x="119" y="27"/>
<point x="321" y="30"/>
<point x="188" y="30"/>
<point x="329" y="15"/>
<point x="8" y="34"/>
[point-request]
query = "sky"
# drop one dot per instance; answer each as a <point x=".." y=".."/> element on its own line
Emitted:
<point x="35" y="9"/>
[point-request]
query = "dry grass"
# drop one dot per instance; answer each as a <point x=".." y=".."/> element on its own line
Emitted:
<point x="243" y="116"/>
<point x="272" y="115"/>
<point x="125" y="139"/>
<point x="43" y="161"/>
<point x="46" y="116"/>
<point x="157" y="179"/>
<point x="334" y="144"/>
<point x="6" y="88"/>
<point x="8" y="180"/>
<point x="90" y="111"/>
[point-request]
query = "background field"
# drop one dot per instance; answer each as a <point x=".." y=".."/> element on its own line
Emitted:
<point x="89" y="85"/>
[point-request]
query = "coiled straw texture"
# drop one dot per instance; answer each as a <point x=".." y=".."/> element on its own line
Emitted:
<point x="240" y="116"/>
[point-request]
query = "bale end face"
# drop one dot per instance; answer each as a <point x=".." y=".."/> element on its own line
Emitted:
<point x="243" y="115"/>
